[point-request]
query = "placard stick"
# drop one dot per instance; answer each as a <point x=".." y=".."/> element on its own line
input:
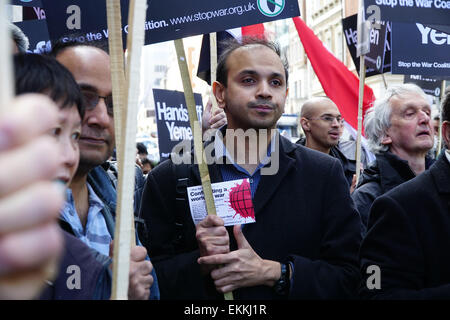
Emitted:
<point x="196" y="128"/>
<point x="6" y="74"/>
<point x="117" y="67"/>
<point x="362" y="79"/>
<point x="384" y="80"/>
<point x="132" y="77"/>
<point x="119" y="84"/>
<point x="439" y="145"/>
<point x="125" y="192"/>
<point x="213" y="61"/>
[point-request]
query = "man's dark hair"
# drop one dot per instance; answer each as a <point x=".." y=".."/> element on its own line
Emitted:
<point x="446" y="108"/>
<point x="63" y="44"/>
<point x="232" y="44"/>
<point x="142" y="149"/>
<point x="36" y="73"/>
<point x="147" y="160"/>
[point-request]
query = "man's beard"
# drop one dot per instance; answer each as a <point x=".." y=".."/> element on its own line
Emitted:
<point x="88" y="163"/>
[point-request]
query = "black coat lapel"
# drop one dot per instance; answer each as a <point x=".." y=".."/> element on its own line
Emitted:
<point x="441" y="174"/>
<point x="268" y="184"/>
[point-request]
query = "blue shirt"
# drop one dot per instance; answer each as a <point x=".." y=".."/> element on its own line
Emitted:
<point x="96" y="234"/>
<point x="232" y="171"/>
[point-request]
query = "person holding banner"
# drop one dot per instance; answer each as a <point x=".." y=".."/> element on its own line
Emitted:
<point x="323" y="124"/>
<point x="409" y="236"/>
<point x="93" y="192"/>
<point x="400" y="133"/>
<point x="305" y="240"/>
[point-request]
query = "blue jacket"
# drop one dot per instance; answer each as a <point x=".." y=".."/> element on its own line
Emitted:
<point x="103" y="186"/>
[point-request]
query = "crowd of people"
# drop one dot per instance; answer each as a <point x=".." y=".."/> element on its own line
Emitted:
<point x="319" y="234"/>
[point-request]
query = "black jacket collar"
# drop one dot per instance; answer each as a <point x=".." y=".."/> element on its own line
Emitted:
<point x="390" y="171"/>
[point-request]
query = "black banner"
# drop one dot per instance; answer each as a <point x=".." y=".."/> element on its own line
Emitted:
<point x="33" y="13"/>
<point x="419" y="49"/>
<point x="86" y="20"/>
<point x="378" y="60"/>
<point x="429" y="85"/>
<point x="423" y="11"/>
<point x="36" y="31"/>
<point x="172" y="119"/>
<point x="27" y="3"/>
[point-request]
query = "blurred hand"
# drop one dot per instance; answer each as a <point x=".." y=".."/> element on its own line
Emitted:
<point x="353" y="186"/>
<point x="140" y="279"/>
<point x="30" y="238"/>
<point x="212" y="120"/>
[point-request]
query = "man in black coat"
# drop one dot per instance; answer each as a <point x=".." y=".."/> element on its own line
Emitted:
<point x="306" y="237"/>
<point x="408" y="240"/>
<point x="400" y="133"/>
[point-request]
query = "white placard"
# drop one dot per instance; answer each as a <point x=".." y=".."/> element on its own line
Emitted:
<point x="233" y="200"/>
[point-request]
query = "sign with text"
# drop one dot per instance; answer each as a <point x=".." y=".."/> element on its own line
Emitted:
<point x="429" y="85"/>
<point x="172" y="119"/>
<point x="86" y="20"/>
<point x="378" y="59"/>
<point x="233" y="201"/>
<point x="36" y="31"/>
<point x="423" y="11"/>
<point x="419" y="49"/>
<point x="33" y="13"/>
<point x="27" y="3"/>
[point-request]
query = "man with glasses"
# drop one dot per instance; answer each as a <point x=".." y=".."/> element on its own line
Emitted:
<point x="322" y="124"/>
<point x="400" y="133"/>
<point x="92" y="201"/>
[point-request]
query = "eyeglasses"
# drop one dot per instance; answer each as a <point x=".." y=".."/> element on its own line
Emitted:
<point x="91" y="100"/>
<point x="329" y="119"/>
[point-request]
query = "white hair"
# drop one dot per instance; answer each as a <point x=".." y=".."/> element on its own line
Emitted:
<point x="19" y="38"/>
<point x="378" y="118"/>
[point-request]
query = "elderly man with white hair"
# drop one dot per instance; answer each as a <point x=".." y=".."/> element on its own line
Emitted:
<point x="400" y="133"/>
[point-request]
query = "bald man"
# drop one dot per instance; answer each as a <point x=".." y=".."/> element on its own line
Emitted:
<point x="322" y="124"/>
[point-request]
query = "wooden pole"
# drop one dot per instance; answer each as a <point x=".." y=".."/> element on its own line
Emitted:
<point x="439" y="145"/>
<point x="124" y="216"/>
<point x="362" y="48"/>
<point x="196" y="128"/>
<point x="6" y="73"/>
<point x="213" y="61"/>
<point x="362" y="78"/>
<point x="117" y="67"/>
<point x="384" y="81"/>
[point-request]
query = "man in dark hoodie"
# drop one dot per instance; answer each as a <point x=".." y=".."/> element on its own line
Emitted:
<point x="400" y="133"/>
<point x="322" y="124"/>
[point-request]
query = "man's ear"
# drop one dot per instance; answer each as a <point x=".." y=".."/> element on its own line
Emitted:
<point x="219" y="92"/>
<point x="305" y="124"/>
<point x="386" y="140"/>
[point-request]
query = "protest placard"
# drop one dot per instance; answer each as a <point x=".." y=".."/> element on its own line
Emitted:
<point x="172" y="119"/>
